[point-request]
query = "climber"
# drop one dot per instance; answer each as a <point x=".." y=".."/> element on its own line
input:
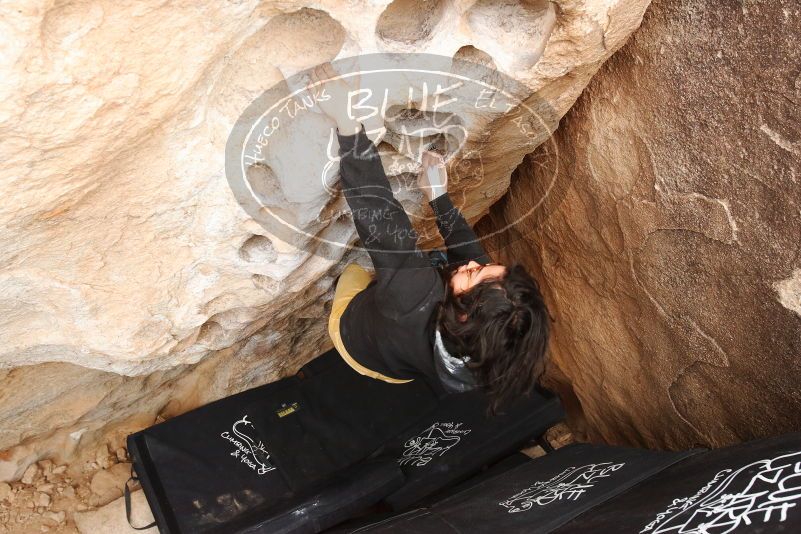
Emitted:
<point x="468" y="323"/>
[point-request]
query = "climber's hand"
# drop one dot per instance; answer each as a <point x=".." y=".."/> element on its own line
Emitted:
<point x="334" y="95"/>
<point x="433" y="176"/>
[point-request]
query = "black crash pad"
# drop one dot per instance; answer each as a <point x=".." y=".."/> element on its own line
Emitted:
<point x="336" y="418"/>
<point x="510" y="462"/>
<point x="341" y="496"/>
<point x="753" y="487"/>
<point x="459" y="438"/>
<point x="340" y="418"/>
<point x="316" y="446"/>
<point x="204" y="468"/>
<point x="538" y="496"/>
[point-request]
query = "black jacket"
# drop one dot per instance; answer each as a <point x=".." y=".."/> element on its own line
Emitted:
<point x="389" y="327"/>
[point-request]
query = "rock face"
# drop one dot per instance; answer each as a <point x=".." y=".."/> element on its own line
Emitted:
<point x="132" y="284"/>
<point x="668" y="240"/>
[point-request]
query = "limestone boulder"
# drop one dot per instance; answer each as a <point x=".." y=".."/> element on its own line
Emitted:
<point x="665" y="227"/>
<point x="133" y="284"/>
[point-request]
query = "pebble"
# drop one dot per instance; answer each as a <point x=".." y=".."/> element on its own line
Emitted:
<point x="5" y="492"/>
<point x="107" y="484"/>
<point x="103" y="457"/>
<point x="58" y="517"/>
<point x="46" y="466"/>
<point x="122" y="454"/>
<point x="43" y="500"/>
<point x="45" y="488"/>
<point x="30" y="473"/>
<point x="59" y="470"/>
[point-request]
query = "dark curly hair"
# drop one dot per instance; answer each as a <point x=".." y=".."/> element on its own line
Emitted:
<point x="505" y="333"/>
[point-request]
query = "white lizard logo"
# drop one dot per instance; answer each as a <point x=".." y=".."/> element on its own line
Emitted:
<point x="249" y="451"/>
<point x="434" y="441"/>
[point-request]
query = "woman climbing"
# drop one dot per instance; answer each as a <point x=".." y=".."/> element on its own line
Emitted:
<point x="471" y="323"/>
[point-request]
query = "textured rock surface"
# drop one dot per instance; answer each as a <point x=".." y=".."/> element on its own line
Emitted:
<point x="132" y="285"/>
<point x="669" y="243"/>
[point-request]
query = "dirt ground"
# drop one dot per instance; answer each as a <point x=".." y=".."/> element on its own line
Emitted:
<point x="48" y="496"/>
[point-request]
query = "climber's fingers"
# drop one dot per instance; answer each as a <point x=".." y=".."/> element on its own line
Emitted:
<point x="432" y="179"/>
<point x="432" y="159"/>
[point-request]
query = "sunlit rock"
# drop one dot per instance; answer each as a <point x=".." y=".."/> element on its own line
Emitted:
<point x="133" y="284"/>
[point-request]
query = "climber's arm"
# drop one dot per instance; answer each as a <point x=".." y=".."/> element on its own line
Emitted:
<point x="403" y="272"/>
<point x="382" y="223"/>
<point x="460" y="240"/>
